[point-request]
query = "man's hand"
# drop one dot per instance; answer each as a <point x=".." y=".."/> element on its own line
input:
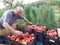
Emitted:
<point x="18" y="32"/>
<point x="11" y="30"/>
<point x="30" y="23"/>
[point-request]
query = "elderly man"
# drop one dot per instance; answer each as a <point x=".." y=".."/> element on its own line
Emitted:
<point x="9" y="17"/>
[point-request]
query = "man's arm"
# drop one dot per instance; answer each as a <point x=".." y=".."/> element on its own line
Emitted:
<point x="10" y="29"/>
<point x="27" y="21"/>
<point x="6" y="21"/>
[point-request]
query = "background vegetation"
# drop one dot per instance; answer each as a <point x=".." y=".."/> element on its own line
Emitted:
<point x="42" y="13"/>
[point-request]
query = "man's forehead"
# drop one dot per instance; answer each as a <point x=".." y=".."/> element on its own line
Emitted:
<point x="19" y="8"/>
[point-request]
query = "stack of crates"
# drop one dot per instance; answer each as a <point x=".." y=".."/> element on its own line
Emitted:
<point x="40" y="38"/>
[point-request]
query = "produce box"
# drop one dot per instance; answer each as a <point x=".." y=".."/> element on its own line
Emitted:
<point x="51" y="37"/>
<point x="32" y="35"/>
<point x="24" y="39"/>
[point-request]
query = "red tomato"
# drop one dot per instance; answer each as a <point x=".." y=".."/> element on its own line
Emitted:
<point x="13" y="37"/>
<point x="32" y="35"/>
<point x="26" y="34"/>
<point x="22" y="36"/>
<point x="28" y="41"/>
<point x="18" y="39"/>
<point x="34" y="26"/>
<point x="26" y="38"/>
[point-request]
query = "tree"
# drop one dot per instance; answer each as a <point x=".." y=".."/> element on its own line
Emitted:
<point x="8" y="3"/>
<point x="12" y="3"/>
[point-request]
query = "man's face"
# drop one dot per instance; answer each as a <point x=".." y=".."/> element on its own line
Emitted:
<point x="19" y="12"/>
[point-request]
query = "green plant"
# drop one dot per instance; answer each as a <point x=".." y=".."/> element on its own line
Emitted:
<point x="1" y="12"/>
<point x="47" y="16"/>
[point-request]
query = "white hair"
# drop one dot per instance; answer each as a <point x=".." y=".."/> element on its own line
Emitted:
<point x="19" y="8"/>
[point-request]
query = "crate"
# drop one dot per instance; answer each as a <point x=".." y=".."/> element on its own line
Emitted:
<point x="7" y="41"/>
<point x="49" y="41"/>
<point x="39" y="37"/>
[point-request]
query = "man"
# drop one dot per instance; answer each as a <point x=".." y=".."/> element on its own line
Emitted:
<point x="9" y="17"/>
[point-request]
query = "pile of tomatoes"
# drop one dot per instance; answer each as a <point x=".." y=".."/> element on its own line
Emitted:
<point x="37" y="28"/>
<point x="24" y="39"/>
<point x="27" y="38"/>
<point x="52" y="34"/>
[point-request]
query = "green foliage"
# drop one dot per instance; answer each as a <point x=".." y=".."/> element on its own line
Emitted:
<point x="55" y="2"/>
<point x="39" y="15"/>
<point x="27" y="12"/>
<point x="58" y="22"/>
<point x="1" y="12"/>
<point x="59" y="19"/>
<point x="34" y="14"/>
<point x="42" y="15"/>
<point x="47" y="16"/>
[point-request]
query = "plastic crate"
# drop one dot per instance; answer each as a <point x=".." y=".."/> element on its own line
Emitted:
<point x="36" y="42"/>
<point x="50" y="41"/>
<point x="39" y="37"/>
<point x="7" y="41"/>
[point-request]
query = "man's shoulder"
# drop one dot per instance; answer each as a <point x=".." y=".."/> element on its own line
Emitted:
<point x="8" y="11"/>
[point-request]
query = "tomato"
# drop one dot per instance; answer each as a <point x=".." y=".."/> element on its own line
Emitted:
<point x="33" y="26"/>
<point x="18" y="39"/>
<point x="26" y="38"/>
<point x="22" y="36"/>
<point x="51" y="33"/>
<point x="32" y="35"/>
<point x="26" y="34"/>
<point x="28" y="41"/>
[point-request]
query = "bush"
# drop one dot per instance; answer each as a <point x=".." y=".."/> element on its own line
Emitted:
<point x="42" y="15"/>
<point x="47" y="16"/>
<point x="55" y="3"/>
<point x="1" y="12"/>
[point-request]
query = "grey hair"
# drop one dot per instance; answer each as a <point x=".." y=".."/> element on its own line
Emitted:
<point x="20" y="8"/>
